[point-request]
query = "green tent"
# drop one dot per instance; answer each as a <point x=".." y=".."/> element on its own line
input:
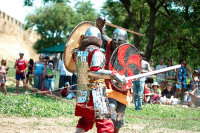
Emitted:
<point x="54" y="49"/>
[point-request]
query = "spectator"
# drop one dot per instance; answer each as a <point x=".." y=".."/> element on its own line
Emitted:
<point x="195" y="96"/>
<point x="3" y="72"/>
<point x="162" y="86"/>
<point x="50" y="74"/>
<point x="161" y="76"/>
<point x="30" y="72"/>
<point x="171" y="75"/>
<point x="38" y="71"/>
<point x="168" y="96"/>
<point x="65" y="91"/>
<point x="181" y="79"/>
<point x="138" y="87"/>
<point x="149" y="79"/>
<point x="45" y="61"/>
<point x="195" y="77"/>
<point x="157" y="93"/>
<point x="187" y="97"/>
<point x="147" y="94"/>
<point x="199" y="74"/>
<point x="65" y="75"/>
<point x="21" y="66"/>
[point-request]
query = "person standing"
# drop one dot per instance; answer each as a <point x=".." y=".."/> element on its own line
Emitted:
<point x="92" y="103"/>
<point x="160" y="76"/>
<point x="38" y="73"/>
<point x="149" y="79"/>
<point x="30" y="72"/>
<point x="181" y="83"/>
<point x="138" y="87"/>
<point x="21" y="66"/>
<point x="3" y="72"/>
<point x="118" y="100"/>
<point x="50" y="74"/>
<point x="171" y="75"/>
<point x="65" y="75"/>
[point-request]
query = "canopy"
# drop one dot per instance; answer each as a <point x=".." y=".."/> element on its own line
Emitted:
<point x="54" y="49"/>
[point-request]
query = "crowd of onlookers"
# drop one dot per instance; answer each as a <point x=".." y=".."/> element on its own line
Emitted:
<point x="180" y="86"/>
<point x="171" y="87"/>
<point x="42" y="72"/>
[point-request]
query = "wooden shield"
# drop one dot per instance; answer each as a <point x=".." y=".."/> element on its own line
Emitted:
<point x="126" y="61"/>
<point x="74" y="41"/>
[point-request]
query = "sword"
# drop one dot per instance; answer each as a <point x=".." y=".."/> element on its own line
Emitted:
<point x="153" y="72"/>
<point x="112" y="25"/>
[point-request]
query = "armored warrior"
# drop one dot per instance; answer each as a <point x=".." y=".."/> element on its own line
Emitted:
<point x="92" y="103"/>
<point x="118" y="100"/>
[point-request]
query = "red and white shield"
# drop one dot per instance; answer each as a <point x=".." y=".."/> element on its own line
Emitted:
<point x="126" y="61"/>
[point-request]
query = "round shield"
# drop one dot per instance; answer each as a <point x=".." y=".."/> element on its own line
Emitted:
<point x="126" y="61"/>
<point x="74" y="41"/>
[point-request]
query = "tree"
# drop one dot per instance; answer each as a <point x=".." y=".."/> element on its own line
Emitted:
<point x="52" y="22"/>
<point x="55" y="21"/>
<point x="30" y="2"/>
<point x="170" y="27"/>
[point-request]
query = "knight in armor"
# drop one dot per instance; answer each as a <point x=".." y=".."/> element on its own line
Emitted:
<point x="92" y="103"/>
<point x="118" y="100"/>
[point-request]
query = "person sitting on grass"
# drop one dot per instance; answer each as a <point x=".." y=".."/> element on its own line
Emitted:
<point x="168" y="95"/>
<point x="147" y="94"/>
<point x="50" y="74"/>
<point x="3" y="72"/>
<point x="157" y="93"/>
<point x="195" y="96"/>
<point x="187" y="97"/>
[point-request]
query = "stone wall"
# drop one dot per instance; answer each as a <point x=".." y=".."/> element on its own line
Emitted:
<point x="13" y="38"/>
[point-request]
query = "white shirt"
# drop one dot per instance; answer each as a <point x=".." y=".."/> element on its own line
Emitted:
<point x="63" y="70"/>
<point x="160" y="76"/>
<point x="145" y="66"/>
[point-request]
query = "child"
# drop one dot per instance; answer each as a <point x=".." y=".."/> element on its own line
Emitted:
<point x="157" y="93"/>
<point x="147" y="94"/>
<point x="3" y="72"/>
<point x="50" y="74"/>
<point x="30" y="72"/>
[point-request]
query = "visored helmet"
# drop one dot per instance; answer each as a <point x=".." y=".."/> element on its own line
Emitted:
<point x="119" y="37"/>
<point x="93" y="31"/>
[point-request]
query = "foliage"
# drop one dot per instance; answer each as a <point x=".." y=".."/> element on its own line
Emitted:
<point x="52" y="22"/>
<point x="55" y="21"/>
<point x="174" y="34"/>
<point x="30" y="2"/>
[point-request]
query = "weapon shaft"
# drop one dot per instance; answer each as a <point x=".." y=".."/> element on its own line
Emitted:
<point x="153" y="72"/>
<point x="112" y="25"/>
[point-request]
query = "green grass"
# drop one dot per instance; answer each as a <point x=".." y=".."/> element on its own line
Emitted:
<point x="165" y="117"/>
<point x="34" y="105"/>
<point x="151" y="116"/>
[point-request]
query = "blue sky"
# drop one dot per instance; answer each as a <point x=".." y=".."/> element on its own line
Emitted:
<point x="15" y="8"/>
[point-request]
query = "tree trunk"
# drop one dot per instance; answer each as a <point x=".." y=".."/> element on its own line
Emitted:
<point x="151" y="33"/>
<point x="132" y="17"/>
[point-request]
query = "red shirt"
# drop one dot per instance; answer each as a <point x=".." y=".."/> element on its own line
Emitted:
<point x="20" y="65"/>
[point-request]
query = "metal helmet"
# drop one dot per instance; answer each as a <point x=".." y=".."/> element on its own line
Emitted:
<point x="119" y="37"/>
<point x="93" y="31"/>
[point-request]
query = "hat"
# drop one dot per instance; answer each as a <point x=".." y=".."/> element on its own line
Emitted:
<point x="21" y="52"/>
<point x="155" y="83"/>
<point x="67" y="83"/>
<point x="50" y="64"/>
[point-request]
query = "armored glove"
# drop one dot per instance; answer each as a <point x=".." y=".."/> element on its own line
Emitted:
<point x="100" y="22"/>
<point x="121" y="79"/>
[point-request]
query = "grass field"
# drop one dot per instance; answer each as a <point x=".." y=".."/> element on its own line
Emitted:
<point x="152" y="118"/>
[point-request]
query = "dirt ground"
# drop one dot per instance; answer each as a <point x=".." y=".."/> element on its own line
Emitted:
<point x="63" y="125"/>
